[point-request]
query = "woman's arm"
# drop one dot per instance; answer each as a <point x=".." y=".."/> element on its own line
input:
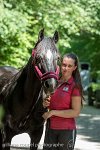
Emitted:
<point x="70" y="113"/>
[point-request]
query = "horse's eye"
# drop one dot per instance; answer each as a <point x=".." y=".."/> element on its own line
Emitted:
<point x="59" y="59"/>
<point x="37" y="60"/>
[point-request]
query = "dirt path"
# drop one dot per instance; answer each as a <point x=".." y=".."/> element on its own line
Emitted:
<point x="88" y="129"/>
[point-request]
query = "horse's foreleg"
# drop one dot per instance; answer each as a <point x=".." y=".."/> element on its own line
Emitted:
<point x="7" y="135"/>
<point x="35" y="138"/>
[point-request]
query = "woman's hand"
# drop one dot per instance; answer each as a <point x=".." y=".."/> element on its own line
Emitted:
<point x="47" y="115"/>
<point x="46" y="102"/>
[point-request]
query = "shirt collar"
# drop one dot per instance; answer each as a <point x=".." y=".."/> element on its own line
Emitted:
<point x="67" y="82"/>
<point x="70" y="80"/>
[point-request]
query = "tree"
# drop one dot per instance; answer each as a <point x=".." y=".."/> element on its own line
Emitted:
<point x="78" y="23"/>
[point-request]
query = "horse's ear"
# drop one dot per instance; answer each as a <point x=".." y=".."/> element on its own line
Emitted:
<point x="41" y="35"/>
<point x="56" y="36"/>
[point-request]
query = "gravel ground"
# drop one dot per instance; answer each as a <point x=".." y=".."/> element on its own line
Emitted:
<point x="88" y="125"/>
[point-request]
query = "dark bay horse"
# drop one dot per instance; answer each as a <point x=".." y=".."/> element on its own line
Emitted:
<point x="22" y="94"/>
<point x="6" y="72"/>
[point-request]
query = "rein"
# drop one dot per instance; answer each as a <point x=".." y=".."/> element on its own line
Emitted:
<point x="23" y="122"/>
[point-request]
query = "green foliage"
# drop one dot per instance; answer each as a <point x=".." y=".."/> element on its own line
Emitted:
<point x="78" y="23"/>
<point x="14" y="38"/>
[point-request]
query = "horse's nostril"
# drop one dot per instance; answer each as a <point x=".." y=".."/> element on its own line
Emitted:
<point x="50" y="85"/>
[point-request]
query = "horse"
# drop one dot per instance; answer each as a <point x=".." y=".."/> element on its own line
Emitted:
<point x="22" y="95"/>
<point x="6" y="72"/>
<point x="6" y="69"/>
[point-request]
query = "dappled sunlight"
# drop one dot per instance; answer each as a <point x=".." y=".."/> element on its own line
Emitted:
<point x="96" y="118"/>
<point x="85" y="115"/>
<point x="88" y="123"/>
<point x="84" y="144"/>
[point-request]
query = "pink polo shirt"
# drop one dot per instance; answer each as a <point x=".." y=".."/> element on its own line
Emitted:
<point x="61" y="100"/>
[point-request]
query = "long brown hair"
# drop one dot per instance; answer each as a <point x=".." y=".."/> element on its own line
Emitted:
<point x="76" y="73"/>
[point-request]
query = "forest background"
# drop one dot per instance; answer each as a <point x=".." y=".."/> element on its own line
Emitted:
<point x="77" y="21"/>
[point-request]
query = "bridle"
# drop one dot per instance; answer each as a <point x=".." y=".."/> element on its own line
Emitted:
<point x="47" y="75"/>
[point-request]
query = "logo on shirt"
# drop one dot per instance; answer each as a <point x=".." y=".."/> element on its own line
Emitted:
<point x="70" y="145"/>
<point x="65" y="89"/>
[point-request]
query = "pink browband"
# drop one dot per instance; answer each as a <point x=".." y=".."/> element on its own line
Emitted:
<point x="46" y="75"/>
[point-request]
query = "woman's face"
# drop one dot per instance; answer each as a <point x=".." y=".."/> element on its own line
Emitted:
<point x="67" y="67"/>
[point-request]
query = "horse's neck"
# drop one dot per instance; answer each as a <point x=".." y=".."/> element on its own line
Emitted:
<point x="32" y="84"/>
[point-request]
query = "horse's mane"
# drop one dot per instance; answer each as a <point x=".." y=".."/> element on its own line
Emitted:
<point x="8" y="82"/>
<point x="4" y="78"/>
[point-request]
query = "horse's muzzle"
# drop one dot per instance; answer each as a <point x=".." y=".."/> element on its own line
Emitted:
<point x="50" y="85"/>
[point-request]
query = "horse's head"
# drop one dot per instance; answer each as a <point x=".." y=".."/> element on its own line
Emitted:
<point x="45" y="59"/>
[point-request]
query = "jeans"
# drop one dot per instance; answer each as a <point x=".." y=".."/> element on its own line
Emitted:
<point x="59" y="139"/>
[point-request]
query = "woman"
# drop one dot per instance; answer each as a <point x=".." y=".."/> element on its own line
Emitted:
<point x="64" y="105"/>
